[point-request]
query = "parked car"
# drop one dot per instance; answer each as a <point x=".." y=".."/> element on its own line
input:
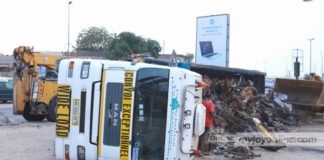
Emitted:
<point x="6" y="89"/>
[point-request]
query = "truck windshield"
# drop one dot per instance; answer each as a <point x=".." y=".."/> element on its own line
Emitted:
<point x="150" y="111"/>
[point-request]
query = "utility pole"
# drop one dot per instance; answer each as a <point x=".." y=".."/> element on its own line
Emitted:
<point x="297" y="57"/>
<point x="310" y="54"/>
<point x="296" y="63"/>
<point x="286" y="67"/>
<point x="69" y="4"/>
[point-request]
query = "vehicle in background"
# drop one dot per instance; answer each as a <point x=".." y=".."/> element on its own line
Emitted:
<point x="269" y="84"/>
<point x="127" y="110"/>
<point x="6" y="89"/>
<point x="35" y="84"/>
<point x="8" y="79"/>
<point x="306" y="96"/>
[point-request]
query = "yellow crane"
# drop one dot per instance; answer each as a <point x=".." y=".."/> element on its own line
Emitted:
<point x="35" y="84"/>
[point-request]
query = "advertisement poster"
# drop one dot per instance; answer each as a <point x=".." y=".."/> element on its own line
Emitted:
<point x="212" y="41"/>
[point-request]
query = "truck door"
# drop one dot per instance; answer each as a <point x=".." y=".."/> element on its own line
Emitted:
<point x="150" y="114"/>
<point x="115" y="122"/>
<point x="3" y="91"/>
<point x="133" y="128"/>
<point x="9" y="88"/>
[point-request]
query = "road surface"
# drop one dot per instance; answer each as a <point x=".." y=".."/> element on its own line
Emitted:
<point x="6" y="109"/>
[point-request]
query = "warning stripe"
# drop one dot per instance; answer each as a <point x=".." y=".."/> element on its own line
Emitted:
<point x="63" y="110"/>
<point x="101" y="112"/>
<point x="126" y="115"/>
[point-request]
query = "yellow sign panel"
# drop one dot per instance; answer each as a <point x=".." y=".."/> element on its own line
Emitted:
<point x="63" y="110"/>
<point x="126" y="115"/>
<point x="75" y="112"/>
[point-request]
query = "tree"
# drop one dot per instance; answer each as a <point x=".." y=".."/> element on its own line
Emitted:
<point x="126" y="43"/>
<point x="153" y="47"/>
<point x="114" y="46"/>
<point x="93" y="39"/>
<point x="117" y="49"/>
<point x="136" y="43"/>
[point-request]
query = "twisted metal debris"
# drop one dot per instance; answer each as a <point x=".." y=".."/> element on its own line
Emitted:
<point x="237" y="103"/>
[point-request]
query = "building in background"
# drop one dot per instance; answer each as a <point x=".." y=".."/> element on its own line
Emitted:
<point x="5" y="63"/>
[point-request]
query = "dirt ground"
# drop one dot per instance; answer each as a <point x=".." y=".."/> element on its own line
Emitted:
<point x="25" y="140"/>
<point x="35" y="140"/>
<point x="28" y="141"/>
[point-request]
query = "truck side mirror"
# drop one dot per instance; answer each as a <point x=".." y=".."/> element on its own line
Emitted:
<point x="200" y="118"/>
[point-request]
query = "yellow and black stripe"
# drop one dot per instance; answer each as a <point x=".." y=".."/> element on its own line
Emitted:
<point x="125" y="131"/>
<point x="63" y="110"/>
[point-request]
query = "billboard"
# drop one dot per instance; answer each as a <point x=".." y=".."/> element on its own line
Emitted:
<point x="212" y="40"/>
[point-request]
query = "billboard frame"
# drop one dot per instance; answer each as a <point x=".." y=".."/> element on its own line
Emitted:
<point x="227" y="36"/>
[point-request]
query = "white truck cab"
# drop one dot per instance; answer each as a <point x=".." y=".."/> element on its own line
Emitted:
<point x="122" y="110"/>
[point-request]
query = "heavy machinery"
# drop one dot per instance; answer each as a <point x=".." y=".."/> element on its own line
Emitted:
<point x="307" y="95"/>
<point x="127" y="110"/>
<point x="35" y="84"/>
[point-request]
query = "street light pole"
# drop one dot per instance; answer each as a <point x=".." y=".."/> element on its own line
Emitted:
<point x="310" y="55"/>
<point x="70" y="2"/>
<point x="322" y="65"/>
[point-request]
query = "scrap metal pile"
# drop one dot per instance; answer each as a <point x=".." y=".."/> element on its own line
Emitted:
<point x="238" y="104"/>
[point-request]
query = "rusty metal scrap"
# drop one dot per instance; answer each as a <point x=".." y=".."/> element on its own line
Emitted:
<point x="237" y="102"/>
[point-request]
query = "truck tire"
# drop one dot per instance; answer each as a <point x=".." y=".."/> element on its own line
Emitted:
<point x="51" y="110"/>
<point x="29" y="117"/>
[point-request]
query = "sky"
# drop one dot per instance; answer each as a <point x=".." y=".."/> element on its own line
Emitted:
<point x="263" y="33"/>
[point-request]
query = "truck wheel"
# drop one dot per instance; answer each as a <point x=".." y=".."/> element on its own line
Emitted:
<point x="29" y="117"/>
<point x="51" y="110"/>
<point x="4" y="101"/>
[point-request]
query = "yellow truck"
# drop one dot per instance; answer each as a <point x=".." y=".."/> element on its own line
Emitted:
<point x="35" y="84"/>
